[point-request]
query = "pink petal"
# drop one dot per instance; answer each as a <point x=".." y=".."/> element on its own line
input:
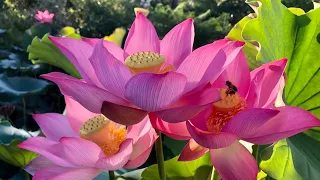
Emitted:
<point x="176" y="131"/>
<point x="50" y="149"/>
<point x="78" y="53"/>
<point x="234" y="162"/>
<point x="192" y="151"/>
<point x="112" y="73"/>
<point x="210" y="140"/>
<point x="143" y="143"/>
<point x="177" y="44"/>
<point x="141" y="159"/>
<point x="206" y="63"/>
<point x="114" y="49"/>
<point x="270" y="84"/>
<point x="54" y="126"/>
<point x="238" y="73"/>
<point x="51" y="16"/>
<point x="188" y="106"/>
<point x="123" y="114"/>
<point x="288" y="122"/>
<point x="136" y="131"/>
<point x="249" y="121"/>
<point x="142" y="149"/>
<point x="89" y="96"/>
<point x="154" y="92"/>
<point x="117" y="160"/>
<point x="37" y="164"/>
<point x="77" y="115"/>
<point x="253" y="95"/>
<point x="142" y="37"/>
<point x="80" y="152"/>
<point x="60" y="173"/>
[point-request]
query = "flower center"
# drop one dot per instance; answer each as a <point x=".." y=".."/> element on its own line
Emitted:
<point x="106" y="134"/>
<point x="223" y="110"/>
<point x="147" y="62"/>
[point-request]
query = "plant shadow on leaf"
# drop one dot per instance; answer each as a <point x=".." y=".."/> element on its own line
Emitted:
<point x="305" y="152"/>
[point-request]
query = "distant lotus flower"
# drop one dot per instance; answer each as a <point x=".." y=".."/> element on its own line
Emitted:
<point x="149" y="75"/>
<point x="44" y="17"/>
<point x="81" y="144"/>
<point x="249" y="114"/>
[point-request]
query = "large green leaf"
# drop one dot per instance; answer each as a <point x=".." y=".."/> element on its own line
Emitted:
<point x="249" y="49"/>
<point x="282" y="33"/>
<point x="275" y="30"/>
<point x="14" y="155"/>
<point x="13" y="88"/>
<point x="176" y="170"/>
<point x="8" y="133"/>
<point x="174" y="145"/>
<point x="303" y="87"/>
<point x="292" y="34"/>
<point x="280" y="164"/>
<point x="305" y="151"/>
<point x="44" y="51"/>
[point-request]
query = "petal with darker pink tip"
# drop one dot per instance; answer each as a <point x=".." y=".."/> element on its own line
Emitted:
<point x="270" y="83"/>
<point x="249" y="122"/>
<point x="114" y="49"/>
<point x="210" y="140"/>
<point x="89" y="96"/>
<point x="37" y="164"/>
<point x="154" y="92"/>
<point x="50" y="149"/>
<point x="234" y="162"/>
<point x="54" y="125"/>
<point x="59" y="173"/>
<point x="80" y="152"/>
<point x="112" y="73"/>
<point x="78" y="53"/>
<point x="176" y="131"/>
<point x="142" y="36"/>
<point x="178" y="43"/>
<point x="288" y="122"/>
<point x="238" y="73"/>
<point x="77" y="115"/>
<point x="192" y="151"/>
<point x="117" y="160"/>
<point x="123" y="114"/>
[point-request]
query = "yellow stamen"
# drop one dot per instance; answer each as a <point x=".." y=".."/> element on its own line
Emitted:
<point x="145" y="62"/>
<point x="224" y="110"/>
<point x="105" y="133"/>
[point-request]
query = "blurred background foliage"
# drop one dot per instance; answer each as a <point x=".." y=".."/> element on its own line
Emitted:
<point x="22" y="93"/>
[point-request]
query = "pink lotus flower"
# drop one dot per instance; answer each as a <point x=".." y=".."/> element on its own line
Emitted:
<point x="78" y="148"/>
<point x="149" y="75"/>
<point x="44" y="17"/>
<point x="249" y="115"/>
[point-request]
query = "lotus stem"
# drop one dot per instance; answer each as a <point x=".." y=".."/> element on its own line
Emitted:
<point x="160" y="158"/>
<point x="111" y="175"/>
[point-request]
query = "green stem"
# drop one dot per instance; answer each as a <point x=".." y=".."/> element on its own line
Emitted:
<point x="160" y="158"/>
<point x="111" y="175"/>
<point x="24" y="113"/>
<point x="256" y="155"/>
<point x="215" y="175"/>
